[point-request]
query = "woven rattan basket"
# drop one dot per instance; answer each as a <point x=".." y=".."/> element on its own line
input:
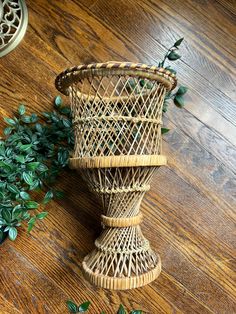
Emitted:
<point x="117" y="116"/>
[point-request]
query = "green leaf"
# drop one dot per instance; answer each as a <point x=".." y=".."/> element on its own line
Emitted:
<point x="31" y="205"/>
<point x="5" y="166"/>
<point x="179" y="101"/>
<point x="170" y="69"/>
<point x="83" y="307"/>
<point x="2" y="236"/>
<point x="25" y="215"/>
<point x="42" y="167"/>
<point x="12" y="233"/>
<point x="21" y="109"/>
<point x="10" y="121"/>
<point x="39" y="127"/>
<point x="1" y="196"/>
<point x="33" y="118"/>
<point x="121" y="310"/>
<point x="67" y="123"/>
<point x="182" y="90"/>
<point x="41" y="215"/>
<point x="35" y="185"/>
<point x="20" y="158"/>
<point x="2" y="222"/>
<point x="33" y="165"/>
<point x="25" y="147"/>
<point x="26" y="119"/>
<point x="6" y="214"/>
<point x="172" y="56"/>
<point x="72" y="307"/>
<point x="63" y="156"/>
<point x="8" y="130"/>
<point x="65" y="110"/>
<point x="178" y="42"/>
<point x="31" y="224"/>
<point x="164" y="130"/>
<point x="58" y="101"/>
<point x="24" y="195"/>
<point x="28" y="178"/>
<point x="48" y="196"/>
<point x="165" y="106"/>
<point x="12" y="188"/>
<point x="142" y="82"/>
<point x="17" y="210"/>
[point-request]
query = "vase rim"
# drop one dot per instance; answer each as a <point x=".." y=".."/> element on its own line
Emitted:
<point x="74" y="74"/>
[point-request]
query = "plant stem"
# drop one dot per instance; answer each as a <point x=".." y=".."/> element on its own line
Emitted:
<point x="163" y="62"/>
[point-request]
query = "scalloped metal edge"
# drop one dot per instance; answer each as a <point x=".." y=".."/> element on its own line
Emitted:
<point x="16" y="39"/>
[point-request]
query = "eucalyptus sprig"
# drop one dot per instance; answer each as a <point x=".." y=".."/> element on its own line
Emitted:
<point x="176" y="96"/>
<point x="32" y="155"/>
<point x="84" y="307"/>
<point x="172" y="54"/>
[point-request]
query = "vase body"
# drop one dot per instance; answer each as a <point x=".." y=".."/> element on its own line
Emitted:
<point x="117" y="115"/>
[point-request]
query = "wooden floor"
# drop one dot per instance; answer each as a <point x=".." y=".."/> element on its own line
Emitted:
<point x="190" y="210"/>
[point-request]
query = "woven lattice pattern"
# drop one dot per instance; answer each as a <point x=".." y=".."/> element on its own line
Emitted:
<point x="120" y="189"/>
<point x="117" y="115"/>
<point x="120" y="252"/>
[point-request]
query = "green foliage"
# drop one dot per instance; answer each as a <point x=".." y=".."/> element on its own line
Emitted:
<point x="73" y="308"/>
<point x="121" y="310"/>
<point x="176" y="97"/>
<point x="179" y="101"/>
<point x="32" y="155"/>
<point x="83" y="307"/>
<point x="173" y="56"/>
<point x="164" y="130"/>
<point x="182" y="90"/>
<point x="178" y="42"/>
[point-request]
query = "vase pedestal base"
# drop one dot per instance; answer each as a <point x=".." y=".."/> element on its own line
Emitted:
<point x="121" y="283"/>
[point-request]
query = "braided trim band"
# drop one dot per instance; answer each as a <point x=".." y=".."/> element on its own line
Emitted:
<point x="121" y="222"/>
<point x="142" y="188"/>
<point x="67" y="77"/>
<point x="117" y="161"/>
<point x="117" y="118"/>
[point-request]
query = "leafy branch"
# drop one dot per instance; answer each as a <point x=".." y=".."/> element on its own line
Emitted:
<point x="172" y="54"/>
<point x="32" y="155"/>
<point x="73" y="308"/>
<point x="177" y="97"/>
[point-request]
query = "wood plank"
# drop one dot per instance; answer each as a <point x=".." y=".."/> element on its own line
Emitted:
<point x="201" y="50"/>
<point x="211" y="141"/>
<point x="219" y="37"/>
<point x="201" y="169"/>
<point x="228" y="7"/>
<point x="7" y="307"/>
<point x="30" y="291"/>
<point x="207" y="111"/>
<point x="61" y="263"/>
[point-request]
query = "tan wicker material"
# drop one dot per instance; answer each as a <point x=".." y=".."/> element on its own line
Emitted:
<point x="118" y="161"/>
<point x="117" y="116"/>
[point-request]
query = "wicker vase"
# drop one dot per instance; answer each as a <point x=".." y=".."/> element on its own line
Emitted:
<point x="117" y="116"/>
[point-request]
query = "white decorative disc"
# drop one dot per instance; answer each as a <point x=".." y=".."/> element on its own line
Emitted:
<point x="13" y="24"/>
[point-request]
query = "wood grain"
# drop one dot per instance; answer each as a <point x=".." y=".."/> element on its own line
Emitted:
<point x="189" y="214"/>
